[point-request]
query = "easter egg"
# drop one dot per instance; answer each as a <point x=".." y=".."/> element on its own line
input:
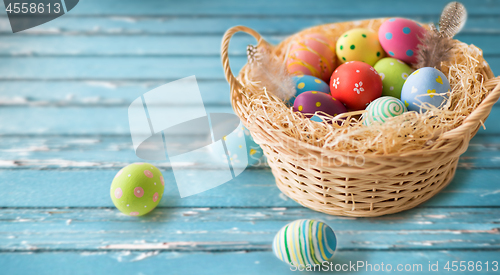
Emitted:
<point x="382" y="109"/>
<point x="304" y="83"/>
<point x="241" y="149"/>
<point x="356" y="84"/>
<point x="137" y="189"/>
<point x="312" y="55"/>
<point x="424" y="85"/>
<point x="393" y="73"/>
<point x="235" y="149"/>
<point x="305" y="242"/>
<point x="310" y="102"/>
<point x="400" y="37"/>
<point x="359" y="45"/>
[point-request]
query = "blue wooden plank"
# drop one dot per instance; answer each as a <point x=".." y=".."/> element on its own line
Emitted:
<point x="35" y="188"/>
<point x="276" y="8"/>
<point x="70" y="152"/>
<point x="92" y="93"/>
<point x="109" y="120"/>
<point x="139" y="24"/>
<point x="128" y="68"/>
<point x="164" y="45"/>
<point x="264" y="263"/>
<point x="215" y="230"/>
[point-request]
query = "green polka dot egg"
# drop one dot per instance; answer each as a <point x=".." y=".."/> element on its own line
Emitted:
<point x="394" y="73"/>
<point x="305" y="242"/>
<point x="137" y="189"/>
<point x="359" y="45"/>
<point x="382" y="109"/>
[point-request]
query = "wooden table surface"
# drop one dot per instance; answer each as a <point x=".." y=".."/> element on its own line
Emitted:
<point x="64" y="93"/>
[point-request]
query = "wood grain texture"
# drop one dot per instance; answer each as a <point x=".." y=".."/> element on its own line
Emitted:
<point x="175" y="263"/>
<point x="249" y="229"/>
<point x="253" y="188"/>
<point x="276" y="8"/>
<point x="65" y="87"/>
<point x="210" y="25"/>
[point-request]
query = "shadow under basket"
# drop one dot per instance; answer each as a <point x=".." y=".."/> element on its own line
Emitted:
<point x="332" y="184"/>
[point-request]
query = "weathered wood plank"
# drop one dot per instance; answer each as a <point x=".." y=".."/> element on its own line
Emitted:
<point x="156" y="262"/>
<point x="36" y="188"/>
<point x="69" y="152"/>
<point x="129" y="68"/>
<point x="109" y="120"/>
<point x="192" y="229"/>
<point x="281" y="24"/>
<point x="276" y="8"/>
<point x="164" y="45"/>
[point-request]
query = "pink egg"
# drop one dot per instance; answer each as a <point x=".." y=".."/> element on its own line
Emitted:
<point x="313" y="55"/>
<point x="400" y="37"/>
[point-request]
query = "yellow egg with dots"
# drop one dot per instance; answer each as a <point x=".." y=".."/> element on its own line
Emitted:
<point x="359" y="44"/>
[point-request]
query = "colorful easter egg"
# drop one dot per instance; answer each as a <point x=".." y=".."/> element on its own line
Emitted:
<point x="400" y="37"/>
<point x="312" y="55"/>
<point x="304" y="83"/>
<point x="359" y="45"/>
<point x="356" y="84"/>
<point x="311" y="102"/>
<point x="137" y="189"/>
<point x="393" y="73"/>
<point x="305" y="242"/>
<point x="425" y="85"/>
<point x="242" y="151"/>
<point x="382" y="109"/>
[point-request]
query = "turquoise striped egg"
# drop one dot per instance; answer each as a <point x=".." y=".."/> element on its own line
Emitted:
<point x="382" y="109"/>
<point x="305" y="242"/>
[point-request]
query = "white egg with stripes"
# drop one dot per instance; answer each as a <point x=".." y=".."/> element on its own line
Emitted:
<point x="304" y="243"/>
<point x="383" y="108"/>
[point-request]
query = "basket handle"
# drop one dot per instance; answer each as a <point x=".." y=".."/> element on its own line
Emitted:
<point x="233" y="82"/>
<point x="481" y="112"/>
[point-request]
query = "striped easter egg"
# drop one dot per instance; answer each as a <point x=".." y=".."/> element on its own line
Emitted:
<point x="382" y="109"/>
<point x="313" y="55"/>
<point x="305" y="242"/>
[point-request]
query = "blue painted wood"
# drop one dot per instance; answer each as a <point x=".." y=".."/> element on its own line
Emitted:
<point x="67" y="152"/>
<point x="196" y="25"/>
<point x="98" y="120"/>
<point x="277" y="8"/>
<point x="251" y="229"/>
<point x="89" y="187"/>
<point x="84" y="92"/>
<point x="151" y="262"/>
<point x="166" y="45"/>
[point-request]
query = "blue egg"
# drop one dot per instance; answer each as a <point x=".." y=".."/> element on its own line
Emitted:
<point x="242" y="151"/>
<point x="305" y="83"/>
<point x="425" y="85"/>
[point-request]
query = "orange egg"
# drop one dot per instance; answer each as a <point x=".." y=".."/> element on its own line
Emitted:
<point x="313" y="55"/>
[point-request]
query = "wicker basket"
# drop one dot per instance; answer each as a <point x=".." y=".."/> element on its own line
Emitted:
<point x="385" y="184"/>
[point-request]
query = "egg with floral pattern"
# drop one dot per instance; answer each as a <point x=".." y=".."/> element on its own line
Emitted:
<point x="304" y="83"/>
<point x="425" y="85"/>
<point x="312" y="54"/>
<point x="400" y="38"/>
<point x="137" y="189"/>
<point x="359" y="44"/>
<point x="356" y="84"/>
